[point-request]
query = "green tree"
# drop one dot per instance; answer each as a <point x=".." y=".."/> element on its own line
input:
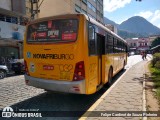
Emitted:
<point x="155" y="42"/>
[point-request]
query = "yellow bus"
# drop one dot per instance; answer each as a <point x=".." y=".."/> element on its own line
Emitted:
<point x="72" y="53"/>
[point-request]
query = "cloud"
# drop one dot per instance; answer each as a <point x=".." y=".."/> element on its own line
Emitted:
<point x="156" y="16"/>
<point x="112" y="5"/>
<point x="145" y="14"/>
<point x="153" y="17"/>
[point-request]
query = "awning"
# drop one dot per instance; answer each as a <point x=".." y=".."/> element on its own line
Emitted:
<point x="9" y="42"/>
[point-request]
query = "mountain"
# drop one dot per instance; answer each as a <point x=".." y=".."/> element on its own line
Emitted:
<point x="108" y="21"/>
<point x="126" y="34"/>
<point x="134" y="27"/>
<point x="139" y="25"/>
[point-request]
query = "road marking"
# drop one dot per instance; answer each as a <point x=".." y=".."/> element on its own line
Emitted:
<point x="86" y="114"/>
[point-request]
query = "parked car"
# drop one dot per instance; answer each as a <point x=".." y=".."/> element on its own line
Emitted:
<point x="3" y="71"/>
<point x="18" y="66"/>
<point x="132" y="53"/>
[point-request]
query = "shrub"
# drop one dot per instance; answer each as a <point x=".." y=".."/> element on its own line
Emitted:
<point x="157" y="65"/>
<point x="156" y="60"/>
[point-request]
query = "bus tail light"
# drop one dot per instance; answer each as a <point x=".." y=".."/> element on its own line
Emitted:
<point x="26" y="68"/>
<point x="79" y="72"/>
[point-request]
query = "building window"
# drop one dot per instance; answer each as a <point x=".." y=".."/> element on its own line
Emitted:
<point x="140" y="44"/>
<point x="145" y="44"/>
<point x="91" y="6"/>
<point x="83" y="11"/>
<point x="100" y="1"/>
<point x="101" y="15"/>
<point x="9" y="19"/>
<point x="84" y="1"/>
<point x="77" y="8"/>
<point x="98" y="13"/>
<point x="91" y="16"/>
<point x="2" y="18"/>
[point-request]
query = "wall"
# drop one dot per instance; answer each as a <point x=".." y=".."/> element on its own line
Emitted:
<point x="10" y="30"/>
<point x="5" y="4"/>
<point x="54" y="7"/>
<point x="18" y="6"/>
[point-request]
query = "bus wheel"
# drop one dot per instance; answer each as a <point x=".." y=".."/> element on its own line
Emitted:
<point x="110" y="75"/>
<point x="123" y="65"/>
<point x="2" y="74"/>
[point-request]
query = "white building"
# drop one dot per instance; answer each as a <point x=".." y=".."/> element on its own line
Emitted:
<point x="12" y="27"/>
<point x="138" y="44"/>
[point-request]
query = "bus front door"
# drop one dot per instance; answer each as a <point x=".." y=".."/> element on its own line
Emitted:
<point x="100" y="53"/>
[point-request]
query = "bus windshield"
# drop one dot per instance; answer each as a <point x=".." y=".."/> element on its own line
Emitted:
<point x="53" y="31"/>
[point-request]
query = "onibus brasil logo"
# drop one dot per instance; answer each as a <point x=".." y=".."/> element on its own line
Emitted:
<point x="9" y="112"/>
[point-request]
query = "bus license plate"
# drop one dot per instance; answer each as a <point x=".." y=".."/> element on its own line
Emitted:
<point x="48" y="67"/>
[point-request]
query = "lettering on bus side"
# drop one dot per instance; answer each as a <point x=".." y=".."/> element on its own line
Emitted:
<point x="54" y="56"/>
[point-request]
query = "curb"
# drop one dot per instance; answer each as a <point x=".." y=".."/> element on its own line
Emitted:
<point x="144" y="97"/>
<point x="144" y="91"/>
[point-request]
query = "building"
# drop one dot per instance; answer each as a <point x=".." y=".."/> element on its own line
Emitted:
<point x="12" y="27"/>
<point x="112" y="28"/>
<point x="137" y="45"/>
<point x="32" y="8"/>
<point x="93" y="8"/>
<point x="153" y="37"/>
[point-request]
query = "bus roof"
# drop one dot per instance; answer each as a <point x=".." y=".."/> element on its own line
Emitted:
<point x="102" y="26"/>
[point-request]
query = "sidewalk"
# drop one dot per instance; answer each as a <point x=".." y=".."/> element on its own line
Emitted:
<point x="126" y="95"/>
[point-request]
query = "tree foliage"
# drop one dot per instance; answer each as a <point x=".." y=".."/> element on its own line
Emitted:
<point x="155" y="42"/>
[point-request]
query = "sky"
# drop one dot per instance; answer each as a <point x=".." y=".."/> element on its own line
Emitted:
<point x="120" y="10"/>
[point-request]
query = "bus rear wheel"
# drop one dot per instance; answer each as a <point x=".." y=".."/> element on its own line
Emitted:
<point x="110" y="76"/>
<point x="2" y="74"/>
<point x="123" y="66"/>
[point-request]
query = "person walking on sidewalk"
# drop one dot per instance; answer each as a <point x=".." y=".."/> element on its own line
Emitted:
<point x="143" y="55"/>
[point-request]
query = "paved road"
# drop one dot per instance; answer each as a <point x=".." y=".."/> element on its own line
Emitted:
<point x="15" y="93"/>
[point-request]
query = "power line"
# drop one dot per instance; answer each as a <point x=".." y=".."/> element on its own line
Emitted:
<point x="40" y="4"/>
<point x="33" y="13"/>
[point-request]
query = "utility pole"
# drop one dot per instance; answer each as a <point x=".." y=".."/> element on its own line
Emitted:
<point x="34" y="11"/>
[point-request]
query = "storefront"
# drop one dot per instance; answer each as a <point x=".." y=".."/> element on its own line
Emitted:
<point x="11" y="49"/>
<point x="11" y="39"/>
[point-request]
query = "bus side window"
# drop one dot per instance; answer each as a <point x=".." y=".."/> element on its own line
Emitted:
<point x="109" y="44"/>
<point x="115" y="45"/>
<point x="92" y="43"/>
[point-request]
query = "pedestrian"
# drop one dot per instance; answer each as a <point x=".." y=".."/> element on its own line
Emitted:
<point x="143" y="55"/>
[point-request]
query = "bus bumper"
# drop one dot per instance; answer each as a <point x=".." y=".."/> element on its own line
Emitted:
<point x="77" y="87"/>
